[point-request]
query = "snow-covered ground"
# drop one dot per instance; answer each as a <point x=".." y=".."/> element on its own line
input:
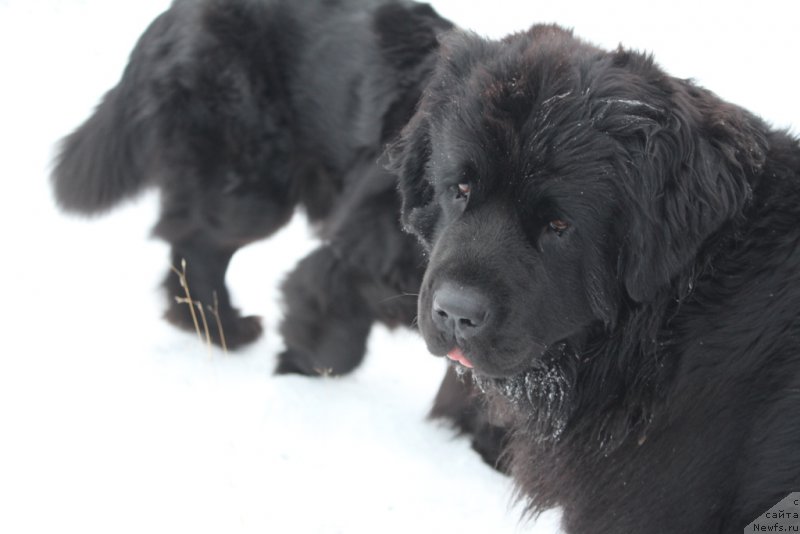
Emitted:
<point x="112" y="421"/>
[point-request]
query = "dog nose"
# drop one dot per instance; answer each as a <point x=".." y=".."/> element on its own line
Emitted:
<point x="459" y="311"/>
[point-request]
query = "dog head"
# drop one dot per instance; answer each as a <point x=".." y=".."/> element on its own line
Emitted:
<point x="553" y="184"/>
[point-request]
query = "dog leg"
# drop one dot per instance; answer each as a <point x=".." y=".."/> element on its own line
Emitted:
<point x="197" y="279"/>
<point x="206" y="219"/>
<point x="326" y="320"/>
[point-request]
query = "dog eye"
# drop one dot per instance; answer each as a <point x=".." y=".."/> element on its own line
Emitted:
<point x="463" y="190"/>
<point x="558" y="226"/>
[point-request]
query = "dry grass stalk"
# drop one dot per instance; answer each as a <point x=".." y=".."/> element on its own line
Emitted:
<point x="215" y="312"/>
<point x="187" y="299"/>
<point x="205" y="326"/>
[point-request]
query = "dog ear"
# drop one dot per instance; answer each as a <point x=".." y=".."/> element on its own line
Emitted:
<point x="408" y="160"/>
<point x="692" y="161"/>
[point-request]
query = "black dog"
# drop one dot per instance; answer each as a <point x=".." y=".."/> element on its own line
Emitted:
<point x="241" y="110"/>
<point x="615" y="254"/>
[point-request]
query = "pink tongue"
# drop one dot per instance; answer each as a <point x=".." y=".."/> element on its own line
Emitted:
<point x="457" y="356"/>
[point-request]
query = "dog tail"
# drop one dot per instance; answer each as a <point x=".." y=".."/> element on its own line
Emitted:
<point x="103" y="161"/>
<point x="109" y="157"/>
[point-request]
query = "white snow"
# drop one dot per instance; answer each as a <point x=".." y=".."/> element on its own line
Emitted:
<point x="112" y="421"/>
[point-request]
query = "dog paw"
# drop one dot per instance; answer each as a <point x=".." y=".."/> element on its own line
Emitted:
<point x="291" y="362"/>
<point x="239" y="332"/>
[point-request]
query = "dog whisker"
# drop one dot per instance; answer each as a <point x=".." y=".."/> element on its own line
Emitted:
<point x="401" y="295"/>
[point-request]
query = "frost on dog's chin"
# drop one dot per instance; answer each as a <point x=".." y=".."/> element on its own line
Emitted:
<point x="460" y="371"/>
<point x="542" y="394"/>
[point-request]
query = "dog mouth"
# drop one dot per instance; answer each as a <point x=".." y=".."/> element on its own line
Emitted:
<point x="468" y="359"/>
<point x="457" y="355"/>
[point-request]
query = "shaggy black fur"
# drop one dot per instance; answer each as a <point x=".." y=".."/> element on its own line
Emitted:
<point x="241" y="110"/>
<point x="616" y="252"/>
<point x="626" y="252"/>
